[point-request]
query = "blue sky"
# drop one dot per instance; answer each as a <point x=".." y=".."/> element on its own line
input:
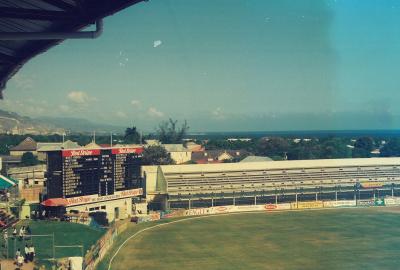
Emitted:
<point x="226" y="66"/>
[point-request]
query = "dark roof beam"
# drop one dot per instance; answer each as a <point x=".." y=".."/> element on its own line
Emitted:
<point x="60" y="5"/>
<point x="5" y="58"/>
<point x="54" y="35"/>
<point x="37" y="14"/>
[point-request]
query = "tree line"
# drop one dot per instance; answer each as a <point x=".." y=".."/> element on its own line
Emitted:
<point x="279" y="148"/>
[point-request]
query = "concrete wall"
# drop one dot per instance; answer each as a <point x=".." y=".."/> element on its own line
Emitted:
<point x="20" y="153"/>
<point x="150" y="175"/>
<point x="29" y="175"/>
<point x="124" y="206"/>
<point x="181" y="157"/>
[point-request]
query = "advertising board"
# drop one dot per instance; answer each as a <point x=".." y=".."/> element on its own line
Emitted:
<point x="371" y="184"/>
<point x="283" y="206"/>
<point x="154" y="216"/>
<point x="392" y="200"/>
<point x="127" y="150"/>
<point x="365" y="203"/>
<point x="199" y="211"/>
<point x="344" y="203"/>
<point x="96" y="198"/>
<point x="379" y="202"/>
<point x="307" y="205"/>
<point x="80" y="152"/>
<point x="173" y="213"/>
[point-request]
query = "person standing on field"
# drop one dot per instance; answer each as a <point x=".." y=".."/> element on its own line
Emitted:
<point x="32" y="253"/>
<point x="14" y="232"/>
<point x="27" y="253"/>
<point x="5" y="236"/>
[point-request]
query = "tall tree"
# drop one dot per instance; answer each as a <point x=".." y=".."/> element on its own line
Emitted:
<point x="275" y="147"/>
<point x="28" y="159"/>
<point x="334" y="148"/>
<point x="363" y="147"/>
<point x="156" y="155"/>
<point x="132" y="135"/>
<point x="169" y="132"/>
<point x="391" y="148"/>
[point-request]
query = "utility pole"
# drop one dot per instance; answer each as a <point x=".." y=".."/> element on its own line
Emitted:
<point x="111" y="139"/>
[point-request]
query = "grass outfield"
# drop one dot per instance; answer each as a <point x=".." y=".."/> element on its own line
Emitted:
<point x="64" y="233"/>
<point x="364" y="238"/>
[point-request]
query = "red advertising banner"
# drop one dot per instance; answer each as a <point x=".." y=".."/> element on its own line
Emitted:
<point x="117" y="151"/>
<point x="96" y="198"/>
<point x="81" y="152"/>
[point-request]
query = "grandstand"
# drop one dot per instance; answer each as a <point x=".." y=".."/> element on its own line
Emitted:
<point x="200" y="185"/>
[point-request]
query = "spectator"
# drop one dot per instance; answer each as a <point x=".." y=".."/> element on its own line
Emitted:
<point x="20" y="261"/>
<point x="28" y="232"/>
<point x="27" y="253"/>
<point x="21" y="233"/>
<point x="15" y="232"/>
<point x="32" y="253"/>
<point x="8" y="195"/>
<point x="5" y="236"/>
<point x="18" y="253"/>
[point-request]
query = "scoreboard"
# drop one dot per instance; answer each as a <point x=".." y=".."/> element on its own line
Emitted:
<point x="102" y="172"/>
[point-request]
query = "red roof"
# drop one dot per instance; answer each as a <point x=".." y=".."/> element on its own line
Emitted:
<point x="104" y="145"/>
<point x="55" y="202"/>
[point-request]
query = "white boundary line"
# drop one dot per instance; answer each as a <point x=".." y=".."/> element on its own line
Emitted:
<point x="226" y="214"/>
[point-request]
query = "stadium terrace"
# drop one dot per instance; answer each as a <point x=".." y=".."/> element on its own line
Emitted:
<point x="205" y="185"/>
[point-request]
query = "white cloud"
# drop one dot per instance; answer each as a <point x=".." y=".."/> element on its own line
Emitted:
<point x="78" y="97"/>
<point x="121" y="114"/>
<point x="157" y="43"/>
<point x="154" y="112"/>
<point x="64" y="108"/>
<point x="23" y="82"/>
<point x="218" y="114"/>
<point x="135" y="103"/>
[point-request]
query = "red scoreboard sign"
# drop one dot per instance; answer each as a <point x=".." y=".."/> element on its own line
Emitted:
<point x="117" y="151"/>
<point x="81" y="152"/>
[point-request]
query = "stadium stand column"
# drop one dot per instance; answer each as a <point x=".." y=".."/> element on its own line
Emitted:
<point x="355" y="192"/>
<point x="335" y="193"/>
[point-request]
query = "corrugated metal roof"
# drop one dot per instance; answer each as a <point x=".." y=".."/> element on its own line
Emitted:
<point x="256" y="159"/>
<point x="282" y="165"/>
<point x="28" y="16"/>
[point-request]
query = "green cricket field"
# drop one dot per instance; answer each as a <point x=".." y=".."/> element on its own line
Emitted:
<point x="363" y="238"/>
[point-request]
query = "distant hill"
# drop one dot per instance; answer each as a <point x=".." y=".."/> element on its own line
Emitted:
<point x="14" y="123"/>
<point x="80" y="125"/>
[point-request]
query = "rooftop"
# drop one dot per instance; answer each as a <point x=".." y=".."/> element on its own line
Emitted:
<point x="175" y="148"/>
<point x="21" y="20"/>
<point x="28" y="144"/>
<point x="287" y="164"/>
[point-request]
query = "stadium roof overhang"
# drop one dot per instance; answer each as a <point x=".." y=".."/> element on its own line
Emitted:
<point x="7" y="182"/>
<point x="30" y="27"/>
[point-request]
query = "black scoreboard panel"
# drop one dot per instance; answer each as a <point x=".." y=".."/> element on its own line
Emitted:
<point x="81" y="172"/>
<point x="54" y="175"/>
<point x="126" y="171"/>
